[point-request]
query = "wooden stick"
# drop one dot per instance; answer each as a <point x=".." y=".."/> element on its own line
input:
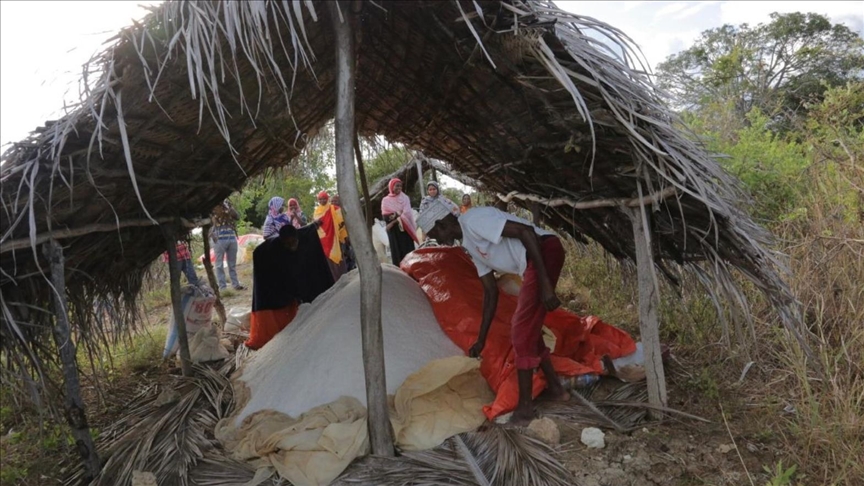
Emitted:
<point x="364" y="184"/>
<point x="74" y="405"/>
<point x="599" y="203"/>
<point x="380" y="433"/>
<point x="648" y="322"/>
<point x="420" y="183"/>
<point x="179" y="319"/>
<point x="64" y="233"/>
<point x="211" y="277"/>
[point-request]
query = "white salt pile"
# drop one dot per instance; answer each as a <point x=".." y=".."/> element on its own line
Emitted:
<point x="318" y="357"/>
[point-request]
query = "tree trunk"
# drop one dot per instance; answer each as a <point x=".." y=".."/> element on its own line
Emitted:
<point x="211" y="277"/>
<point x="380" y="433"/>
<point x="74" y="405"/>
<point x="170" y="233"/>
<point x="648" y="322"/>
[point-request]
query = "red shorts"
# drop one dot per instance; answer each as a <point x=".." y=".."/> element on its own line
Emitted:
<point x="527" y="323"/>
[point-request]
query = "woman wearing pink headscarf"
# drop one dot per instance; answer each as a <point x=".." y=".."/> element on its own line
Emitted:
<point x="295" y="214"/>
<point x="401" y="229"/>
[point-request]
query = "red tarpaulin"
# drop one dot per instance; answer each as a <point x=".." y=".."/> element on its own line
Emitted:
<point x="450" y="280"/>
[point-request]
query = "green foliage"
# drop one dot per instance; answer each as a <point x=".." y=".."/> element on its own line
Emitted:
<point x="771" y="167"/>
<point x="452" y="194"/>
<point x="774" y="67"/>
<point x="6" y="415"/>
<point x="141" y="352"/>
<point x="780" y="476"/>
<point x="9" y="474"/>
<point x="308" y="174"/>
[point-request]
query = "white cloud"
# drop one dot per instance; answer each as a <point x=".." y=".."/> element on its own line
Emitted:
<point x="691" y="10"/>
<point x="628" y="6"/>
<point x="670" y="9"/>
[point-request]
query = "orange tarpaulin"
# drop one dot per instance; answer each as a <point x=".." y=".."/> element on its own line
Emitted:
<point x="450" y="280"/>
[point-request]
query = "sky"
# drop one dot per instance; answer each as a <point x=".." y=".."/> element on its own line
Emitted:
<point x="43" y="45"/>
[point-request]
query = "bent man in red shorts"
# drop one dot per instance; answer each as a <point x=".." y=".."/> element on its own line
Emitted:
<point x="499" y="241"/>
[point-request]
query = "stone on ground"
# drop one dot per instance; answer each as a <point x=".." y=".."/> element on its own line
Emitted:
<point x="593" y="438"/>
<point x="545" y="430"/>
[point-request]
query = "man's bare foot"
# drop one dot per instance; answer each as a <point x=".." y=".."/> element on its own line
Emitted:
<point x="521" y="418"/>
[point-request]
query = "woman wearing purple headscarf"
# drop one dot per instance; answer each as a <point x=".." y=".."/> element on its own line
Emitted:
<point x="276" y="219"/>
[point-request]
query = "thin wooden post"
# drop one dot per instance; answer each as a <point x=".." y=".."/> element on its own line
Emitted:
<point x="535" y="212"/>
<point x="170" y="233"/>
<point x="211" y="277"/>
<point x="420" y="178"/>
<point x="380" y="433"/>
<point x="76" y="416"/>
<point x="364" y="184"/>
<point x="648" y="322"/>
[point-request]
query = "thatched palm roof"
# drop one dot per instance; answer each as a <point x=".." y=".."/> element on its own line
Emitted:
<point x="515" y="94"/>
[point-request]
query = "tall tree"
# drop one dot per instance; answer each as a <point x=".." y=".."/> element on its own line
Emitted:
<point x="774" y="67"/>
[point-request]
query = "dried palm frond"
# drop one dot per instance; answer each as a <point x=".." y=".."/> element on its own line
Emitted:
<point x="582" y="410"/>
<point x="166" y="430"/>
<point x="215" y="469"/>
<point x="493" y="455"/>
<point x="623" y="409"/>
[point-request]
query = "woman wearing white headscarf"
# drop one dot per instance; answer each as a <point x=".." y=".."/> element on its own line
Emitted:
<point x="433" y="193"/>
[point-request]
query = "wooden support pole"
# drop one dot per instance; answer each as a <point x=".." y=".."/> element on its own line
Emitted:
<point x="420" y="177"/>
<point x="380" y="432"/>
<point x="364" y="184"/>
<point x="211" y="277"/>
<point x="170" y="233"/>
<point x="74" y="405"/>
<point x="648" y="322"/>
<point x="535" y="212"/>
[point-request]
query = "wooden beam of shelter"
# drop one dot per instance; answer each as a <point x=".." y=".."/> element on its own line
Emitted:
<point x="380" y="433"/>
<point x="211" y="278"/>
<point x="76" y="416"/>
<point x="438" y="166"/>
<point x="597" y="203"/>
<point x="170" y="233"/>
<point x="64" y="233"/>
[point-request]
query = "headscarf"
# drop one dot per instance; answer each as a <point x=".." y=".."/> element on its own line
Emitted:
<point x="299" y="221"/>
<point x="275" y="205"/>
<point x="464" y="208"/>
<point x="324" y="195"/>
<point x="400" y="203"/>
<point x="427" y="200"/>
<point x="275" y="220"/>
<point x="392" y="184"/>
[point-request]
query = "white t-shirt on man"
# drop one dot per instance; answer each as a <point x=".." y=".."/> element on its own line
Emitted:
<point x="481" y="236"/>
